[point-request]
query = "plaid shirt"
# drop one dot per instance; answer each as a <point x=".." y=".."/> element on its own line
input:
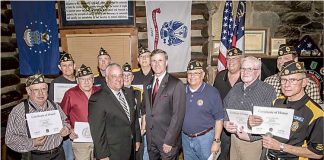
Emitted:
<point x="311" y="88"/>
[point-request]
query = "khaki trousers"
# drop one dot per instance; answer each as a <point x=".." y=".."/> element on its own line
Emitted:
<point x="243" y="150"/>
<point x="83" y="151"/>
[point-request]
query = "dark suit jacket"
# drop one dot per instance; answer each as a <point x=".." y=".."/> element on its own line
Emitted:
<point x="111" y="131"/>
<point x="164" y="118"/>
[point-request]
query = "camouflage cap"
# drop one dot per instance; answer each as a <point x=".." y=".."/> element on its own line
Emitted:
<point x="84" y="71"/>
<point x="127" y="67"/>
<point x="35" y="79"/>
<point x="103" y="52"/>
<point x="285" y="49"/>
<point x="292" y="67"/>
<point x="194" y="64"/>
<point x="234" y="52"/>
<point x="64" y="56"/>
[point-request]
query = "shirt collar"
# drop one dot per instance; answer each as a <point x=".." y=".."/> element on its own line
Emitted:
<point x="251" y="86"/>
<point x="160" y="77"/>
<point x="200" y="89"/>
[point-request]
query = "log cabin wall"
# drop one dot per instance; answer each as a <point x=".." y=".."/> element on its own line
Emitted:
<point x="12" y="84"/>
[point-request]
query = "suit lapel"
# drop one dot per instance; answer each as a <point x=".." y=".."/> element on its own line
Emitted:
<point x="116" y="102"/>
<point x="149" y="89"/>
<point x="161" y="87"/>
<point x="130" y="105"/>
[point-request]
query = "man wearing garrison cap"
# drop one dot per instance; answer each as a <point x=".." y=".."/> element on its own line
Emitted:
<point x="75" y="106"/>
<point x="18" y="136"/>
<point x="138" y="95"/>
<point x="67" y="67"/>
<point x="141" y="76"/>
<point x="288" y="53"/>
<point x="224" y="81"/>
<point x="104" y="60"/>
<point x="306" y="132"/>
<point x="203" y="122"/>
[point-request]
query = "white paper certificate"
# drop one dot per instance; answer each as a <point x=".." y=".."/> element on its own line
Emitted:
<point x="82" y="129"/>
<point x="44" y="123"/>
<point x="277" y="121"/>
<point x="140" y="86"/>
<point x="60" y="89"/>
<point x="240" y="118"/>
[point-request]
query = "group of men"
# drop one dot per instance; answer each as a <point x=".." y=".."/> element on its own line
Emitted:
<point x="147" y="113"/>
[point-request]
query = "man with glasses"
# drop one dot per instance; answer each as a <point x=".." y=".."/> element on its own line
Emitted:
<point x="112" y="118"/>
<point x="306" y="133"/>
<point x="141" y="76"/>
<point x="67" y="67"/>
<point x="243" y="96"/>
<point x="104" y="60"/>
<point x="165" y="104"/>
<point x="224" y="81"/>
<point x="18" y="136"/>
<point x="75" y="106"/>
<point x="288" y="53"/>
<point x="203" y="122"/>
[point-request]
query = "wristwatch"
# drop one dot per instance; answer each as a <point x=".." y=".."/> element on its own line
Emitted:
<point x="282" y="147"/>
<point x="217" y="140"/>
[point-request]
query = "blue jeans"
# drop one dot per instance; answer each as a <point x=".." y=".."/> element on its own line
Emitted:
<point x="197" y="148"/>
<point x="67" y="146"/>
<point x="145" y="153"/>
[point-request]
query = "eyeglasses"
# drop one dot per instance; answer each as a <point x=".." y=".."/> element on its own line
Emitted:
<point x="85" y="79"/>
<point x="146" y="56"/>
<point x="232" y="59"/>
<point x="194" y="73"/>
<point x="128" y="75"/>
<point x="43" y="90"/>
<point x="248" y="69"/>
<point x="292" y="81"/>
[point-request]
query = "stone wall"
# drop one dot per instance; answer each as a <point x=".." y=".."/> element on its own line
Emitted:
<point x="286" y="19"/>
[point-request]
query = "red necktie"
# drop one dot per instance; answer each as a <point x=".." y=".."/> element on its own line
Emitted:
<point x="155" y="89"/>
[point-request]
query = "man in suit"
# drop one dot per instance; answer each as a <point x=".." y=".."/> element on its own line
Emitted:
<point x="112" y="118"/>
<point x="165" y="101"/>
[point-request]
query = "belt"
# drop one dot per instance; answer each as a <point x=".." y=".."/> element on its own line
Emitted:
<point x="272" y="157"/>
<point x="52" y="151"/>
<point x="199" y="133"/>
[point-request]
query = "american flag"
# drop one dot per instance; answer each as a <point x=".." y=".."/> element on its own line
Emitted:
<point x="226" y="35"/>
<point x="238" y="37"/>
<point x="307" y="48"/>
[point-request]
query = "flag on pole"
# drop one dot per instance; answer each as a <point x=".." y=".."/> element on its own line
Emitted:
<point x="226" y="35"/>
<point x="37" y="36"/>
<point x="169" y="29"/>
<point x="238" y="35"/>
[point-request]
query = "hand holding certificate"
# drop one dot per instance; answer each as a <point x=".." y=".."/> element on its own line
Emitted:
<point x="44" y="123"/>
<point x="240" y="118"/>
<point x="82" y="129"/>
<point x="277" y="121"/>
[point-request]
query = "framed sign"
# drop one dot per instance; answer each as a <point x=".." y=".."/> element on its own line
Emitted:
<point x="275" y="43"/>
<point x="256" y="41"/>
<point x="81" y="13"/>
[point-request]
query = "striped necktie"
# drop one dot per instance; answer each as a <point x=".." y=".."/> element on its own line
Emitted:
<point x="124" y="104"/>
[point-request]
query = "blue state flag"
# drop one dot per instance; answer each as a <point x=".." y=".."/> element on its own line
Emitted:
<point x="37" y="36"/>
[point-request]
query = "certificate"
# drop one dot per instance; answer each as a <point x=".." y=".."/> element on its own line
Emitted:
<point x="240" y="118"/>
<point x="82" y="129"/>
<point x="276" y="121"/>
<point x="60" y="89"/>
<point x="214" y="156"/>
<point x="138" y="86"/>
<point x="44" y="123"/>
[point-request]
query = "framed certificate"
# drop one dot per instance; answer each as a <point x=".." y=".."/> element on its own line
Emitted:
<point x="275" y="43"/>
<point x="83" y="14"/>
<point x="256" y="41"/>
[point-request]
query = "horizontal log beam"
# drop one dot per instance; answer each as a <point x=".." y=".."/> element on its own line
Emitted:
<point x="197" y="9"/>
<point x="198" y="24"/>
<point x="9" y="63"/>
<point x="10" y="97"/>
<point x="8" y="80"/>
<point x="7" y="47"/>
